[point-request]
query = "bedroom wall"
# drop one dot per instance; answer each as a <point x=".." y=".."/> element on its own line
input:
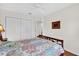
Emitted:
<point x="15" y="15"/>
<point x="69" y="31"/>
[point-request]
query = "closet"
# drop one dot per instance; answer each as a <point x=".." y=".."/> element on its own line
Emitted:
<point x="20" y="29"/>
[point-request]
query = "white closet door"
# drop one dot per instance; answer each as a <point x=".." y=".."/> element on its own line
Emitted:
<point x="38" y="29"/>
<point x="13" y="29"/>
<point x="33" y="29"/>
<point x="20" y="29"/>
<point x="27" y="29"/>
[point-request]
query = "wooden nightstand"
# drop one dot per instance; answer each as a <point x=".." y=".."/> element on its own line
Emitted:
<point x="3" y="40"/>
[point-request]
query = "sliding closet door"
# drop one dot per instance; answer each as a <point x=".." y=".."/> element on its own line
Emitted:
<point x="20" y="29"/>
<point x="13" y="29"/>
<point x="39" y="28"/>
<point x="27" y="29"/>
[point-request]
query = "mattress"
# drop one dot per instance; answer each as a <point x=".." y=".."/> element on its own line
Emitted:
<point x="30" y="47"/>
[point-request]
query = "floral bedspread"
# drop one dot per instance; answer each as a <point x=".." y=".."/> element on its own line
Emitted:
<point x="30" y="47"/>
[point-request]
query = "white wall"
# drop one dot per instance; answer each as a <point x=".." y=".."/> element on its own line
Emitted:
<point x="69" y="31"/>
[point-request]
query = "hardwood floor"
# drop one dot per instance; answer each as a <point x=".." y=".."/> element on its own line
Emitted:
<point x="67" y="53"/>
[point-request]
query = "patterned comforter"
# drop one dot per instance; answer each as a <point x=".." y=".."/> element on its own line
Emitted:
<point x="30" y="47"/>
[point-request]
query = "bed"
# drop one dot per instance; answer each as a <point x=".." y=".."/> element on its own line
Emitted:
<point x="37" y="46"/>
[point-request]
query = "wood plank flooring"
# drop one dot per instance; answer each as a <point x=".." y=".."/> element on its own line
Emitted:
<point x="67" y="53"/>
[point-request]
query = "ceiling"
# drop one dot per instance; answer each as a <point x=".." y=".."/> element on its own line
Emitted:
<point x="34" y="9"/>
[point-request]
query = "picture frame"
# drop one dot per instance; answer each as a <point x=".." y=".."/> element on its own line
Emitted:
<point x="56" y="25"/>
